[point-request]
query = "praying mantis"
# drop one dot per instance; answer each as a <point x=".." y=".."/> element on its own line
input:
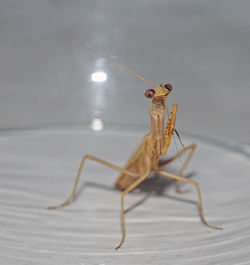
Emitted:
<point x="146" y="158"/>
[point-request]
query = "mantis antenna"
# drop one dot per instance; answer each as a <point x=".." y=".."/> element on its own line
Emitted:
<point x="119" y="65"/>
<point x="110" y="60"/>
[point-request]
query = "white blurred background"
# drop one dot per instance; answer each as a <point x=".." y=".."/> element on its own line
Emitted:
<point x="201" y="47"/>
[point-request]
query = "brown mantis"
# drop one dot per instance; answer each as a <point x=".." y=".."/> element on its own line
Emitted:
<point x="145" y="160"/>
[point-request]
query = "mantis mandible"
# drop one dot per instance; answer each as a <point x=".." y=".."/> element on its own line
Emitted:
<point x="145" y="160"/>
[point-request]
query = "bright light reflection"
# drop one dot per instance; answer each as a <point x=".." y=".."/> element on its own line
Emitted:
<point x="99" y="77"/>
<point x="97" y="125"/>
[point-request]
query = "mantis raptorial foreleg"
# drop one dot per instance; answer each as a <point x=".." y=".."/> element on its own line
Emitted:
<point x="190" y="148"/>
<point x="178" y="178"/>
<point x="130" y="188"/>
<point x="98" y="160"/>
<point x="169" y="129"/>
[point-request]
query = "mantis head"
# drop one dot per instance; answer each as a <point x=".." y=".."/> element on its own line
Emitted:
<point x="159" y="93"/>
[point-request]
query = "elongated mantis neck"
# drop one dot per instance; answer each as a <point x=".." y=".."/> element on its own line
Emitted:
<point x="157" y="128"/>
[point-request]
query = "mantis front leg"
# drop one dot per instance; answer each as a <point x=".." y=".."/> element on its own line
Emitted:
<point x="170" y="128"/>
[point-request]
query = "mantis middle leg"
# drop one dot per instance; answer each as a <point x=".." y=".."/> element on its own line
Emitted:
<point x="130" y="188"/>
<point x="190" y="148"/>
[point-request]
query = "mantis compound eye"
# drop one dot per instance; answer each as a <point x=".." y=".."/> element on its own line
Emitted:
<point x="149" y="93"/>
<point x="168" y="87"/>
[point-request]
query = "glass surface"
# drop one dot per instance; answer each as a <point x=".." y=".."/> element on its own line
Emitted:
<point x="38" y="168"/>
<point x="202" y="48"/>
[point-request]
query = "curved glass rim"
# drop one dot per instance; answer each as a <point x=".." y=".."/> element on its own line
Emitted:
<point x="229" y="144"/>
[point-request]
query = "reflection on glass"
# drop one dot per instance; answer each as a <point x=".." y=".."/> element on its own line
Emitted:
<point x="97" y="125"/>
<point x="99" y="77"/>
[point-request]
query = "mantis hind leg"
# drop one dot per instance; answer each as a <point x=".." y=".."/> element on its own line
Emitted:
<point x="191" y="149"/>
<point x="172" y="176"/>
<point x="98" y="160"/>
